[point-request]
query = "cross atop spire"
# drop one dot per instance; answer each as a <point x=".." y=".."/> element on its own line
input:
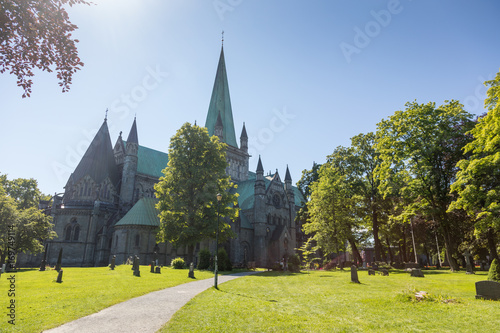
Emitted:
<point x="106" y="115"/>
<point x="222" y="37"/>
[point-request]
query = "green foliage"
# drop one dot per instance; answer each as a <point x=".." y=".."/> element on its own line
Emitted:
<point x="187" y="192"/>
<point x="331" y="209"/>
<point x="178" y="263"/>
<point x="419" y="149"/>
<point x="494" y="272"/>
<point x="223" y="260"/>
<point x="38" y="34"/>
<point x="478" y="180"/>
<point x="204" y="259"/>
<point x="20" y="217"/>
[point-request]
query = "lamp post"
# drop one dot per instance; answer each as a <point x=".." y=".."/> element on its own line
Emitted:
<point x="216" y="268"/>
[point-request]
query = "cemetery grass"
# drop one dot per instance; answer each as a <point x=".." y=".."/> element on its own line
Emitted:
<point x="326" y="301"/>
<point x="42" y="303"/>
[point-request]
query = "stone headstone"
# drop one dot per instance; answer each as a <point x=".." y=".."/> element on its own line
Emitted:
<point x="113" y="261"/>
<point x="152" y="266"/>
<point x="59" y="260"/>
<point x="137" y="271"/>
<point x="371" y="272"/>
<point x="354" y="274"/>
<point x="191" y="270"/>
<point x="59" y="276"/>
<point x="468" y="262"/>
<point x="384" y="272"/>
<point x="44" y="260"/>
<point x="416" y="272"/>
<point x="157" y="270"/>
<point x="488" y="290"/>
<point x="3" y="268"/>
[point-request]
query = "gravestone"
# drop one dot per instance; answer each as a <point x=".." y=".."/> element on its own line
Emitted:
<point x="354" y="274"/>
<point x="157" y="270"/>
<point x="468" y="263"/>
<point x="112" y="265"/>
<point x="152" y="266"/>
<point x="59" y="276"/>
<point x="191" y="270"/>
<point x="3" y="268"/>
<point x="488" y="290"/>
<point x="137" y="271"/>
<point x="59" y="260"/>
<point x="384" y="272"/>
<point x="416" y="272"/>
<point x="44" y="260"/>
<point x="371" y="272"/>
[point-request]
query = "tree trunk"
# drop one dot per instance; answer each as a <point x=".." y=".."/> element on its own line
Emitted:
<point x="2" y="258"/>
<point x="378" y="245"/>
<point x="391" y="256"/>
<point x="449" y="246"/>
<point x="492" y="244"/>
<point x="405" y="257"/>
<point x="355" y="250"/>
<point x="190" y="254"/>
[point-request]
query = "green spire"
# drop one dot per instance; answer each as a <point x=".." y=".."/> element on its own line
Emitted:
<point x="221" y="102"/>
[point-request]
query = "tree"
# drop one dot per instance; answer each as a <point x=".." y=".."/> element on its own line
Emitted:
<point x="371" y="204"/>
<point x="422" y="146"/>
<point x="188" y="190"/>
<point x="478" y="180"/>
<point x="20" y="218"/>
<point x="305" y="186"/>
<point x="25" y="192"/>
<point x="332" y="218"/>
<point x="38" y="34"/>
<point x="8" y="218"/>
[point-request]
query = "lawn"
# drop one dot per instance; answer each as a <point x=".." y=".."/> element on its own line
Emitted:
<point x="322" y="301"/>
<point x="41" y="303"/>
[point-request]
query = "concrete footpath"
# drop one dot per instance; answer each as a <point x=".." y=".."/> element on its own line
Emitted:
<point x="147" y="313"/>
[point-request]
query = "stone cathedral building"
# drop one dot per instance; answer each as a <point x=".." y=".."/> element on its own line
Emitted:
<point x="108" y="205"/>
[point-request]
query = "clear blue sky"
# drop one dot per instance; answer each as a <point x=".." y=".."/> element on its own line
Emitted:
<point x="305" y="77"/>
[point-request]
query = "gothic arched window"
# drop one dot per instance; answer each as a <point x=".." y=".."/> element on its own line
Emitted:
<point x="76" y="233"/>
<point x="137" y="239"/>
<point x="67" y="233"/>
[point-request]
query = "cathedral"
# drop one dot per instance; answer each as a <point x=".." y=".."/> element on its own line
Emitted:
<point x="108" y="205"/>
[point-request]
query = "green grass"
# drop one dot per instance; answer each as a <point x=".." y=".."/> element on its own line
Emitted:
<point x="41" y="303"/>
<point x="322" y="301"/>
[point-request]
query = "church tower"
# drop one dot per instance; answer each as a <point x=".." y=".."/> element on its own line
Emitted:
<point x="260" y="232"/>
<point x="129" y="167"/>
<point x="220" y="123"/>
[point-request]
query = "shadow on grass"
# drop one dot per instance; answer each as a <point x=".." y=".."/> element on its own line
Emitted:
<point x="278" y="273"/>
<point x="247" y="296"/>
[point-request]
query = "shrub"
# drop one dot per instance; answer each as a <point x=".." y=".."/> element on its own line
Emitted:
<point x="223" y="261"/>
<point x="204" y="259"/>
<point x="329" y="266"/>
<point x="494" y="272"/>
<point x="178" y="263"/>
<point x="294" y="263"/>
